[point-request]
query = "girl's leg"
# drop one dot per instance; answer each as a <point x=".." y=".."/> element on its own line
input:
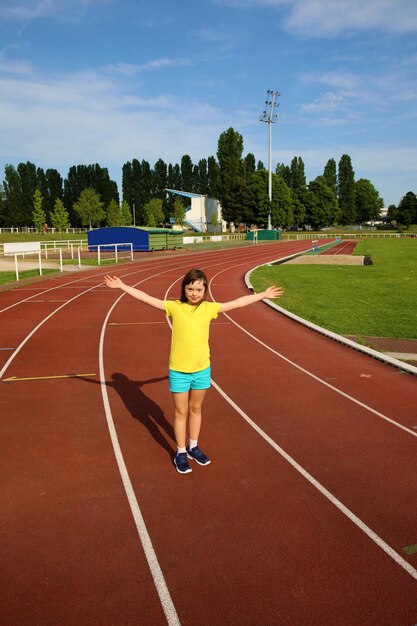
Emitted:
<point x="181" y="401"/>
<point x="195" y="402"/>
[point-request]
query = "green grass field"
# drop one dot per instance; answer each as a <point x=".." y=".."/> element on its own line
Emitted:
<point x="10" y="277"/>
<point x="378" y="300"/>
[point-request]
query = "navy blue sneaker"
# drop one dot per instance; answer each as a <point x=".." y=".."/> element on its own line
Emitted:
<point x="181" y="463"/>
<point x="198" y="456"/>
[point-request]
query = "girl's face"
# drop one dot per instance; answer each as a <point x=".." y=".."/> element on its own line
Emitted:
<point x="195" y="292"/>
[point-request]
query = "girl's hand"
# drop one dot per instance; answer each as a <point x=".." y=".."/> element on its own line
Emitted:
<point x="273" y="292"/>
<point x="113" y="281"/>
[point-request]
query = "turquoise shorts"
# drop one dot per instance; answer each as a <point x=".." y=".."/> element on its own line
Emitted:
<point x="184" y="381"/>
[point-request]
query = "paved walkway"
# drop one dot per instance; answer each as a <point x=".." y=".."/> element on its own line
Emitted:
<point x="401" y="349"/>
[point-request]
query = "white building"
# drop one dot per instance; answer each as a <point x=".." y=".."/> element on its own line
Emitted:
<point x="200" y="213"/>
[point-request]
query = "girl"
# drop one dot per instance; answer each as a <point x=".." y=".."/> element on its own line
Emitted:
<point x="189" y="361"/>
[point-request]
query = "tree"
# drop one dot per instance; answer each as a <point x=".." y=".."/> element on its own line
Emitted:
<point x="330" y="175"/>
<point x="241" y="203"/>
<point x="392" y="214"/>
<point x="281" y="207"/>
<point x="3" y="207"/>
<point x="212" y="176"/>
<point x="145" y="189"/>
<point x="285" y="173"/>
<point x="201" y="177"/>
<point x="231" y="171"/>
<point x="299" y="207"/>
<point x="346" y="190"/>
<point x="114" y="215"/>
<point x="159" y="179"/>
<point x="38" y="214"/>
<point x="125" y="213"/>
<point x="407" y="209"/>
<point x="131" y="174"/>
<point x="174" y="177"/>
<point x="367" y="200"/>
<point x="322" y="206"/>
<point x="28" y="185"/>
<point x="173" y="182"/>
<point x="297" y="172"/>
<point x="154" y="215"/>
<point x="179" y="212"/>
<point x="14" y="212"/>
<point x="89" y="208"/>
<point x="81" y="177"/>
<point x="59" y="217"/>
<point x="259" y="186"/>
<point x="186" y="173"/>
<point x="249" y="164"/>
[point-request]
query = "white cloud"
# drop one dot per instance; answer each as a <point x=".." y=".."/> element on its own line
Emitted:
<point x="88" y="117"/>
<point x="363" y="95"/>
<point x="28" y="10"/>
<point x="329" y="18"/>
<point x="15" y="66"/>
<point x="222" y="38"/>
<point x="129" y="69"/>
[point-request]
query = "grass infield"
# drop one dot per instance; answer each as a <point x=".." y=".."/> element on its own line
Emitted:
<point x="378" y="300"/>
<point x="10" y="277"/>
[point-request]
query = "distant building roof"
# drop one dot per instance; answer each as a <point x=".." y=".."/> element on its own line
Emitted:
<point x="186" y="194"/>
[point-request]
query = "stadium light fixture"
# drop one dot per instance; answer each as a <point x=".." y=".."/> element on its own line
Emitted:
<point x="270" y="117"/>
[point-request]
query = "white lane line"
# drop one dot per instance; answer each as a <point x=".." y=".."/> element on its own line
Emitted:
<point x="44" y="291"/>
<point x="150" y="554"/>
<point x="72" y="284"/>
<point x="155" y="569"/>
<point x="323" y="382"/>
<point x="311" y="375"/>
<point x="133" y="323"/>
<point x="327" y="494"/>
<point x="33" y="331"/>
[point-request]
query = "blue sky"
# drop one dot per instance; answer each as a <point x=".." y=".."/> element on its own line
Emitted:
<point x="106" y="81"/>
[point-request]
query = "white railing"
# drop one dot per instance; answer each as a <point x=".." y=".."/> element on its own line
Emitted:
<point x="356" y="235"/>
<point x="47" y="246"/>
<point x="208" y="238"/>
<point x="31" y="229"/>
<point x="16" y="256"/>
<point x="115" y="246"/>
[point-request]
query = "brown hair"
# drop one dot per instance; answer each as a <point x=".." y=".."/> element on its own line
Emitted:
<point x="191" y="277"/>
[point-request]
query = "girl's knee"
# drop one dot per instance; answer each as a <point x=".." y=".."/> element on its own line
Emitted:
<point x="195" y="409"/>
<point x="181" y="415"/>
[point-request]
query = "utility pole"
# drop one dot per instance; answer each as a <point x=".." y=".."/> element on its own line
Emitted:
<point x="269" y="117"/>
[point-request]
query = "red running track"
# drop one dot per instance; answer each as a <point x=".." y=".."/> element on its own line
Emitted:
<point x="306" y="516"/>
<point x="344" y="247"/>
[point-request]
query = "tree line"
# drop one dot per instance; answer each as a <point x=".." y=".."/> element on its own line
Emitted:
<point x="88" y="197"/>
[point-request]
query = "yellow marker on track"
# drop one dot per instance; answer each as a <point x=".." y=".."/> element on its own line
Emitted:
<point x="14" y="379"/>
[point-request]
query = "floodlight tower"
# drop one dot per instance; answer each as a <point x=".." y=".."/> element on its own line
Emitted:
<point x="269" y="117"/>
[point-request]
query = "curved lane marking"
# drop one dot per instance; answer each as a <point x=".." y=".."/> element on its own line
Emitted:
<point x="150" y="554"/>
<point x="145" y="539"/>
<point x="160" y="584"/>
<point x="325" y="492"/>
<point x="41" y="323"/>
<point x="310" y="374"/>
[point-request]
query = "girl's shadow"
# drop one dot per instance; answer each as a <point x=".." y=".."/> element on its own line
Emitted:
<point x="141" y="407"/>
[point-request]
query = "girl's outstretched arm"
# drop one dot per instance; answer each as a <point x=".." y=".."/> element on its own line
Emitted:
<point x="271" y="292"/>
<point x="115" y="283"/>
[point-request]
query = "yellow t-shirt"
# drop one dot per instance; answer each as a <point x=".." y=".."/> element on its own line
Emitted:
<point x="190" y="350"/>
